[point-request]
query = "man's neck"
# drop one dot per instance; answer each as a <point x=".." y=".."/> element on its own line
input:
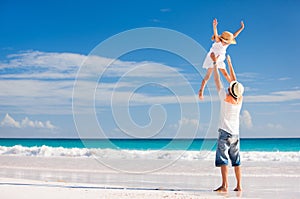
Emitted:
<point x="233" y="100"/>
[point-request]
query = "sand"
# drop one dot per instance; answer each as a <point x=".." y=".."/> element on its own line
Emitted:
<point x="69" y="177"/>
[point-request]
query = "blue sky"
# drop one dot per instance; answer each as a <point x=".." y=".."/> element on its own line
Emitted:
<point x="44" y="43"/>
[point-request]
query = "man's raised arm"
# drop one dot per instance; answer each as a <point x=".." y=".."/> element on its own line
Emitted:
<point x="231" y="70"/>
<point x="216" y="72"/>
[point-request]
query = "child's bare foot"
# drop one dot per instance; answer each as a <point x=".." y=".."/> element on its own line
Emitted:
<point x="201" y="97"/>
<point x="221" y="189"/>
<point x="238" y="189"/>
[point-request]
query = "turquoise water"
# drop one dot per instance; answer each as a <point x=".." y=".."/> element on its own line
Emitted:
<point x="283" y="144"/>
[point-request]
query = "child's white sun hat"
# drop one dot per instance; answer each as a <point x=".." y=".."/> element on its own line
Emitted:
<point x="227" y="37"/>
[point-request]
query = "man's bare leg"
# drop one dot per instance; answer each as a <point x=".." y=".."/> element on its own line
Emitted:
<point x="238" y="176"/>
<point x="224" y="186"/>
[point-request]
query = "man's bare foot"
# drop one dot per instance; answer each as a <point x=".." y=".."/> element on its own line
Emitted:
<point x="238" y="189"/>
<point x="221" y="189"/>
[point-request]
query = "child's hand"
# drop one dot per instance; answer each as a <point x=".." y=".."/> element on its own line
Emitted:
<point x="215" y="22"/>
<point x="242" y="25"/>
<point x="200" y="95"/>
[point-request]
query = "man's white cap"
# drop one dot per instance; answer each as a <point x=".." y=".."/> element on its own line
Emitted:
<point x="236" y="89"/>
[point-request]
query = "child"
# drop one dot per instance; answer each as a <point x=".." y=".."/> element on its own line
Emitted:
<point x="219" y="49"/>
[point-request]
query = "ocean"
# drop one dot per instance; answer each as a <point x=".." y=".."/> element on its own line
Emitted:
<point x="281" y="150"/>
<point x="261" y="144"/>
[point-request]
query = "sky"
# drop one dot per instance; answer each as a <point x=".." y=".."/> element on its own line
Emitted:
<point x="60" y="76"/>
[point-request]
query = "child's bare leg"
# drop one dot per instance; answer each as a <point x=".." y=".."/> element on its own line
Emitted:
<point x="204" y="82"/>
<point x="225" y="74"/>
<point x="238" y="176"/>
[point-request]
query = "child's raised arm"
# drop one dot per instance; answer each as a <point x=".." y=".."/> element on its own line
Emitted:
<point x="216" y="35"/>
<point x="239" y="30"/>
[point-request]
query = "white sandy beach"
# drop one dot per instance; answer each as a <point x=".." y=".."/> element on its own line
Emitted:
<point x="85" y="177"/>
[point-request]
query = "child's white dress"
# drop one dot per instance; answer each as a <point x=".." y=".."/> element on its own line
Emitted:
<point x="218" y="49"/>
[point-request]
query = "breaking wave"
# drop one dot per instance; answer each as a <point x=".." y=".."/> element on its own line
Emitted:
<point x="46" y="151"/>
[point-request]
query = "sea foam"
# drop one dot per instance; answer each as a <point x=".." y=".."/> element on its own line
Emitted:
<point x="46" y="151"/>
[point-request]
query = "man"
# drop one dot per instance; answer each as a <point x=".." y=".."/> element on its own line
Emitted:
<point x="228" y="141"/>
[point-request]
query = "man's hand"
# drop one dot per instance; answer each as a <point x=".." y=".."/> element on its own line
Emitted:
<point x="213" y="57"/>
<point x="228" y="59"/>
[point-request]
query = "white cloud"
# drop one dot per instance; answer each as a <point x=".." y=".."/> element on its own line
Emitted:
<point x="189" y="122"/>
<point x="284" y="78"/>
<point x="279" y="96"/>
<point x="43" y="65"/>
<point x="36" y="97"/>
<point x="29" y="86"/>
<point x="48" y="125"/>
<point x="60" y="61"/>
<point x="185" y="123"/>
<point x="274" y="126"/>
<point x="9" y="121"/>
<point x="249" y="77"/>
<point x="30" y="91"/>
<point x="295" y="104"/>
<point x="165" y="10"/>
<point x="27" y="123"/>
<point x="185" y="128"/>
<point x="155" y="20"/>
<point x="246" y="119"/>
